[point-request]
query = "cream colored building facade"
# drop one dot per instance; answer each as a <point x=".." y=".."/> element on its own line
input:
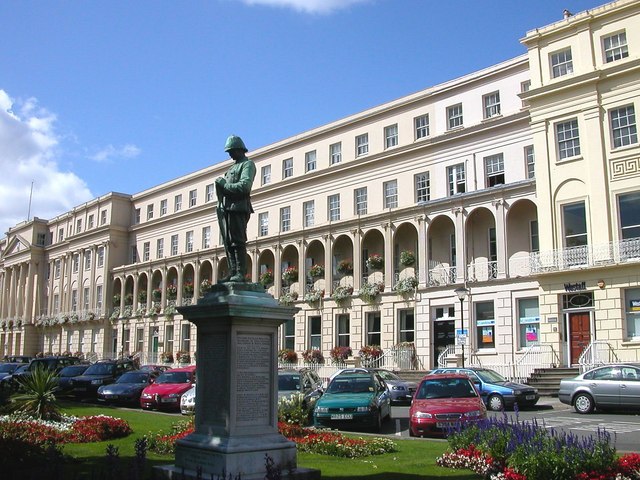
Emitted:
<point x="465" y="177"/>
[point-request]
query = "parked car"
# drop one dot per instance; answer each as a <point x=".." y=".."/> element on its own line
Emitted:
<point x="8" y="383"/>
<point x="608" y="386"/>
<point x="7" y="369"/>
<point x="103" y="372"/>
<point x="66" y="374"/>
<point x="155" y="368"/>
<point x="166" y="391"/>
<point x="401" y="391"/>
<point x="300" y="380"/>
<point x="443" y="400"/>
<point x="354" y="399"/>
<point x="497" y="392"/>
<point x="188" y="402"/>
<point x="17" y="358"/>
<point x="54" y="364"/>
<point x="127" y="388"/>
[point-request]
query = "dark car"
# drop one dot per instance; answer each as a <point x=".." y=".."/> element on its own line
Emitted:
<point x="66" y="374"/>
<point x="53" y="364"/>
<point x="7" y="369"/>
<point x="8" y="383"/>
<point x="17" y="358"/>
<point x="127" y="388"/>
<point x="100" y="373"/>
<point x="300" y="380"/>
<point x="497" y="392"/>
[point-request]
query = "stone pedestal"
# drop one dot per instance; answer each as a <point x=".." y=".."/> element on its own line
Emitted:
<point x="236" y="421"/>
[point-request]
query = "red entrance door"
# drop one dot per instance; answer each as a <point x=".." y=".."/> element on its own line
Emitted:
<point x="579" y="334"/>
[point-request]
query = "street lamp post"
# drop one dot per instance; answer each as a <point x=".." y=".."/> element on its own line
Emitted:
<point x="462" y="294"/>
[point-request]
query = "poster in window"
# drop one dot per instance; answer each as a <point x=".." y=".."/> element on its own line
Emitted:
<point x="635" y="305"/>
<point x="531" y="334"/>
<point x="487" y="335"/>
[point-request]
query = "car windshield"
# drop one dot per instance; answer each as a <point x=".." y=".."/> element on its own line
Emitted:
<point x="174" y="377"/>
<point x="446" y="388"/>
<point x="22" y="368"/>
<point x="7" y="367"/>
<point x="288" y="383"/>
<point x="134" y="377"/>
<point x="73" y="370"/>
<point x="388" y="376"/>
<point x="100" y="369"/>
<point x="489" y="376"/>
<point x="351" y="385"/>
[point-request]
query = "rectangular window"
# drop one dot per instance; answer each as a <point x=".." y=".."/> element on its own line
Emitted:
<point x="99" y="297"/>
<point x="163" y="207"/>
<point x="168" y="338"/>
<point x="491" y="103"/>
<point x="174" y="244"/>
<point x="423" y="187"/>
<point x="209" y="192"/>
<point x="575" y="225"/>
<point x="568" y="139"/>
<point x="160" y="248"/>
<point x="150" y="212"/>
<point x="615" y="47"/>
<point x="206" y="237"/>
<point x="493" y="246"/>
<point x="56" y="303"/>
<point x="90" y="221"/>
<point x="146" y="247"/>
<point x="60" y="234"/>
<point x="87" y="259"/>
<point x="623" y="126"/>
<point x="56" y="273"/>
<point x="335" y="152"/>
<point x="561" y="63"/>
<point x="485" y="324"/>
<point x="315" y="332"/>
<point x="452" y="249"/>
<point x="85" y="298"/>
<point x="188" y="244"/>
<point x="103" y="217"/>
<point x="525" y="87"/>
<point x="407" y="325"/>
<point x="134" y="254"/>
<point x="287" y="168"/>
<point x="528" y="321"/>
<point x="70" y="341"/>
<point x="333" y="207"/>
<point x="533" y="231"/>
<point x="362" y="144"/>
<point x="265" y="175"/>
<point x="391" y="136"/>
<point x="177" y="203"/>
<point x="309" y="213"/>
<point x="360" y="201"/>
<point x="454" y="116"/>
<point x="285" y="219"/>
<point x="185" y="337"/>
<point x="457" y="180"/>
<point x="342" y="327"/>
<point x="310" y="161"/>
<point x="629" y="207"/>
<point x="193" y="198"/>
<point x="530" y="161"/>
<point x="421" y="125"/>
<point x="373" y="328"/>
<point x="290" y="334"/>
<point x="78" y="225"/>
<point x="76" y="262"/>
<point x="494" y="170"/>
<point x="632" y="312"/>
<point x="74" y="300"/>
<point x="390" y="191"/>
<point x="140" y="339"/>
<point x="263" y="224"/>
<point x="95" y="333"/>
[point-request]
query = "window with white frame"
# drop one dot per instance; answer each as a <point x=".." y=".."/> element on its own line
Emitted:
<point x="310" y="161"/>
<point x="335" y="153"/>
<point x="150" y="212"/>
<point x="423" y="187"/>
<point x="193" y="198"/>
<point x="160" y="248"/>
<point x="85" y="298"/>
<point x="485" y="323"/>
<point x="574" y="218"/>
<point x="174" y="244"/>
<point x="342" y="327"/>
<point x="360" y="201"/>
<point x="315" y="332"/>
<point x="407" y="327"/>
<point x="188" y="244"/>
<point x="60" y="234"/>
<point x="452" y="249"/>
<point x="209" y="192"/>
<point x="103" y="217"/>
<point x="391" y="136"/>
<point x="99" y="290"/>
<point x="561" y="63"/>
<point x="533" y="236"/>
<point x="263" y="224"/>
<point x="87" y="259"/>
<point x="185" y="337"/>
<point x="528" y="321"/>
<point x="285" y="219"/>
<point x="632" y="312"/>
<point x="81" y="335"/>
<point x="90" y="221"/>
<point x="454" y="116"/>
<point x="74" y="300"/>
<point x="56" y="270"/>
<point x="206" y="237"/>
<point x="265" y="175"/>
<point x="289" y="341"/>
<point x="168" y="338"/>
<point x="629" y="208"/>
<point x="530" y="161"/>
<point x="623" y="126"/>
<point x="134" y="253"/>
<point x="421" y="125"/>
<point x="309" y="209"/>
<point x="568" y="139"/>
<point x="525" y="87"/>
<point x="287" y="168"/>
<point x="493" y="248"/>
<point x="362" y="144"/>
<point x="177" y="203"/>
<point x="140" y="339"/>
<point x="95" y="334"/>
<point x="56" y="303"/>
<point x="333" y="207"/>
<point x="373" y="333"/>
<point x="615" y="47"/>
<point x="494" y="170"/>
<point x="390" y="191"/>
<point x="163" y="207"/>
<point x="491" y="104"/>
<point x="76" y="262"/>
<point x="70" y="341"/>
<point x="146" y="250"/>
<point x="457" y="179"/>
<point x="78" y="225"/>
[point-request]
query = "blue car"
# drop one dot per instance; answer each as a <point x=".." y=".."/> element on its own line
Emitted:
<point x="497" y="392"/>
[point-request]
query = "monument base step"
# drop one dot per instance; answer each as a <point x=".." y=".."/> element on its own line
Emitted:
<point x="171" y="472"/>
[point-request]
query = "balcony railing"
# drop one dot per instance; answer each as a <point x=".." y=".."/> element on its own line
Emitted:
<point x="442" y="275"/>
<point x="482" y="271"/>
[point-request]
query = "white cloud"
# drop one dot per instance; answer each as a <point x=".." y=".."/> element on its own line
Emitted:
<point x="109" y="152"/>
<point x="28" y="153"/>
<point x="308" y="6"/>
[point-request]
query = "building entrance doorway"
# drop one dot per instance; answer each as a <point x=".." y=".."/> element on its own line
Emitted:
<point x="443" y="335"/>
<point x="579" y="334"/>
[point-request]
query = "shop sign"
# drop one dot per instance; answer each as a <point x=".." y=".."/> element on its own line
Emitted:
<point x="575" y="287"/>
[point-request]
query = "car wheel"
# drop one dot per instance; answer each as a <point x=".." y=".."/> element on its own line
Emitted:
<point x="583" y="403"/>
<point x="411" y="434"/>
<point x="495" y="403"/>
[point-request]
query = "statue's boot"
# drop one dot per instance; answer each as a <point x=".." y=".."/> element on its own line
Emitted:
<point x="241" y="265"/>
<point x="231" y="264"/>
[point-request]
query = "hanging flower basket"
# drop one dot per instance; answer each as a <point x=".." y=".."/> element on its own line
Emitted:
<point x="312" y="297"/>
<point x="316" y="271"/>
<point x="266" y="278"/>
<point x="290" y="274"/>
<point x="345" y="267"/>
<point x="407" y="258"/>
<point x="342" y="294"/>
<point x="288" y="298"/>
<point x="375" y="262"/>
<point x="128" y="299"/>
<point x="142" y="296"/>
<point x="406" y="286"/>
<point x="116" y="299"/>
<point x="205" y="286"/>
<point x="187" y="289"/>
<point x="369" y="291"/>
<point x="172" y="292"/>
<point x="156" y="294"/>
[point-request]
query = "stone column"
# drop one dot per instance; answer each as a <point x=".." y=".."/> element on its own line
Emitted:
<point x="357" y="258"/>
<point x="461" y="245"/>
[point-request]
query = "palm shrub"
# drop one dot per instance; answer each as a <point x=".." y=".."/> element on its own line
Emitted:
<point x="36" y="397"/>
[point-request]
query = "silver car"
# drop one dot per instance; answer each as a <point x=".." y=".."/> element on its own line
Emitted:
<point x="609" y="386"/>
<point x="188" y="402"/>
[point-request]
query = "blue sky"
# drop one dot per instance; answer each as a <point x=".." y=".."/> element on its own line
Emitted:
<point x="122" y="96"/>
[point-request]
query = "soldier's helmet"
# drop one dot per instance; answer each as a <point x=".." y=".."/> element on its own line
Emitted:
<point x="234" y="142"/>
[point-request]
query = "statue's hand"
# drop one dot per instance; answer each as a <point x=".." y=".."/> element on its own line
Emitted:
<point x="221" y="182"/>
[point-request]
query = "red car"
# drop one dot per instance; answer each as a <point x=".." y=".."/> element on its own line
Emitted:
<point x="166" y="391"/>
<point x="441" y="401"/>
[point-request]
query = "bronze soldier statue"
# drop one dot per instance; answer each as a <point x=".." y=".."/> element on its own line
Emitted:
<point x="234" y="207"/>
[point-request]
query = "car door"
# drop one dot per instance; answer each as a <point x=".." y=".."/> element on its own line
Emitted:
<point x="605" y="386"/>
<point x="383" y="396"/>
<point x="630" y="387"/>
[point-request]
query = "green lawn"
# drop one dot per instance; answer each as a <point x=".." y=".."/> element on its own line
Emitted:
<point x="414" y="460"/>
